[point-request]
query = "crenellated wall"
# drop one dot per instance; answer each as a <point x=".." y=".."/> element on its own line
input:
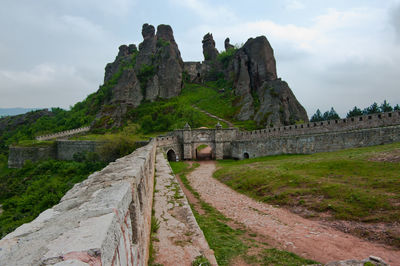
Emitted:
<point x="346" y="124"/>
<point x="105" y="220"/>
<point x="304" y="138"/>
<point x="64" y="134"/>
<point x="315" y="142"/>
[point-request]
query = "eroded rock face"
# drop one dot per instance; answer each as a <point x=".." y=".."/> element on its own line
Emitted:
<point x="209" y="51"/>
<point x="169" y="62"/>
<point x="263" y="97"/>
<point x="154" y="71"/>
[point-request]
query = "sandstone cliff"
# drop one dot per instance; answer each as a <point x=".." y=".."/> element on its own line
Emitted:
<point x="154" y="71"/>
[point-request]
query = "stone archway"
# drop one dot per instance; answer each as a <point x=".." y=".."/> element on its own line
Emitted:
<point x="171" y="155"/>
<point x="204" y="152"/>
<point x="246" y="155"/>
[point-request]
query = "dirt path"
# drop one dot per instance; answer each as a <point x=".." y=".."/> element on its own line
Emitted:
<point x="180" y="239"/>
<point x="213" y="116"/>
<point x="306" y="238"/>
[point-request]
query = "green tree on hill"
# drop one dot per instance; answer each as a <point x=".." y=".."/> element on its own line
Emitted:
<point x="385" y="107"/>
<point x="373" y="109"/>
<point x="317" y="116"/>
<point x="354" y="112"/>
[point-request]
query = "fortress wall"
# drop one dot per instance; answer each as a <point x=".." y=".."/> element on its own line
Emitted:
<point x="67" y="148"/>
<point x="17" y="156"/>
<point x="312" y="143"/>
<point x="63" y="134"/>
<point x="354" y="123"/>
<point x="105" y="220"/>
<point x="171" y="142"/>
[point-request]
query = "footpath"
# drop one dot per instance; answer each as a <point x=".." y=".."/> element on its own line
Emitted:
<point x="213" y="116"/>
<point x="285" y="230"/>
<point x="179" y="239"/>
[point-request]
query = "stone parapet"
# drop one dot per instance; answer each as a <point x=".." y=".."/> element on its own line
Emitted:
<point x="105" y="220"/>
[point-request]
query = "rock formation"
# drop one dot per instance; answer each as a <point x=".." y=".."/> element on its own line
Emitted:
<point x="263" y="97"/>
<point x="228" y="45"/>
<point x="154" y="71"/>
<point x="209" y="51"/>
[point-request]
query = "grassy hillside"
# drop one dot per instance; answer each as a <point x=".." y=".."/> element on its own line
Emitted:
<point x="354" y="184"/>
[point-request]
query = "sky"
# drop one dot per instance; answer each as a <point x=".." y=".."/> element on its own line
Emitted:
<point x="340" y="53"/>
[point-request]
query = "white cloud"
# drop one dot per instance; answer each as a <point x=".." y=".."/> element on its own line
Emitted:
<point x="294" y="5"/>
<point x="208" y="12"/>
<point x="41" y="85"/>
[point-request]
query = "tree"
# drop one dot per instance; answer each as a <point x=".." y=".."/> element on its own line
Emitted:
<point x="317" y="116"/>
<point x="373" y="109"/>
<point x="332" y="115"/>
<point x="355" y="112"/>
<point x="385" y="107"/>
<point x="397" y="107"/>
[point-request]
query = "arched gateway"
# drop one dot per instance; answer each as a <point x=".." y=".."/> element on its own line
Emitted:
<point x="185" y="142"/>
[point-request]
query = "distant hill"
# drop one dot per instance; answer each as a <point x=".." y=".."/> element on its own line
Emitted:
<point x="16" y="111"/>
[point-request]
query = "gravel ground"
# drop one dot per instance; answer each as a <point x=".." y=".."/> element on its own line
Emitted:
<point x="309" y="239"/>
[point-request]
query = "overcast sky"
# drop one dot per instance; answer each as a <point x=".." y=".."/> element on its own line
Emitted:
<point x="337" y="53"/>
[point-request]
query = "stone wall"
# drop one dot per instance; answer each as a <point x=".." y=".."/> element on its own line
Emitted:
<point x="105" y="220"/>
<point x="17" y="156"/>
<point x="67" y="148"/>
<point x="317" y="142"/>
<point x="347" y="124"/>
<point x="60" y="150"/>
<point x="63" y="134"/>
<point x="167" y="143"/>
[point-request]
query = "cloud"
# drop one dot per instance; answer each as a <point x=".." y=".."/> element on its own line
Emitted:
<point x="208" y="12"/>
<point x="395" y="20"/>
<point x="43" y="84"/>
<point x="294" y="5"/>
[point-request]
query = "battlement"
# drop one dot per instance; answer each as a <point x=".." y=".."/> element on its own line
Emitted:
<point x="63" y="134"/>
<point x="337" y="125"/>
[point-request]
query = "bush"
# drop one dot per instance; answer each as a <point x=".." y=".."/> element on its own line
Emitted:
<point x="116" y="146"/>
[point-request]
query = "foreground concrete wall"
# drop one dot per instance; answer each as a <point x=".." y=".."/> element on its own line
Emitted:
<point x="105" y="220"/>
<point x="312" y="143"/>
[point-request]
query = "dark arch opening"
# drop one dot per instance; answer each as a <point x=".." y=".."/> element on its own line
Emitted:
<point x="204" y="152"/>
<point x="171" y="156"/>
<point x="246" y="155"/>
<point x="198" y="75"/>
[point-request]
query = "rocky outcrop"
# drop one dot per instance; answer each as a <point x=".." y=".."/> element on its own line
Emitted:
<point x="228" y="45"/>
<point x="263" y="97"/>
<point x="154" y="71"/>
<point x="209" y="51"/>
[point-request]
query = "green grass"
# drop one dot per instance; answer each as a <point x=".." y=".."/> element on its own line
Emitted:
<point x="35" y="143"/>
<point x="227" y="242"/>
<point x="346" y="183"/>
